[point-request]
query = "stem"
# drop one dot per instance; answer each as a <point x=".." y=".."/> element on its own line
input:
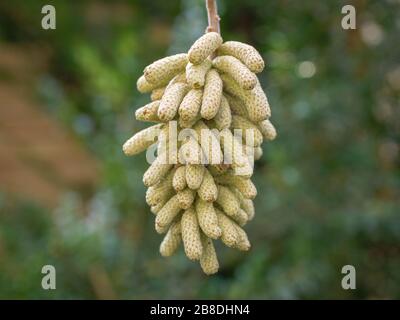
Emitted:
<point x="213" y="17"/>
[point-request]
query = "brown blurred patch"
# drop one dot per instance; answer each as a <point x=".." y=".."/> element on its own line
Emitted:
<point x="39" y="158"/>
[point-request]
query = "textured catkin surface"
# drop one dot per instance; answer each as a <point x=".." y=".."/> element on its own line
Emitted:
<point x="203" y="47"/>
<point x="191" y="235"/>
<point x="212" y="118"/>
<point x="237" y="70"/>
<point x="212" y="95"/>
<point x="245" y="53"/>
<point x="163" y="70"/>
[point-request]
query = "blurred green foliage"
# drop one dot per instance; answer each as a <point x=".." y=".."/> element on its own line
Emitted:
<point x="329" y="186"/>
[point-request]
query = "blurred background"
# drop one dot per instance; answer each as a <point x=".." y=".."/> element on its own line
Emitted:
<point x="329" y="185"/>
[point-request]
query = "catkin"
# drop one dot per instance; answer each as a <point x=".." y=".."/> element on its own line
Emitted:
<point x="227" y="200"/>
<point x="237" y="70"/>
<point x="208" y="190"/>
<point x="144" y="86"/>
<point x="208" y="260"/>
<point x="244" y="185"/>
<point x="186" y="198"/>
<point x="204" y="46"/>
<point x="157" y="170"/>
<point x="191" y="235"/>
<point x="267" y="129"/>
<point x="255" y="100"/>
<point x="148" y="112"/>
<point x="163" y="70"/>
<point x="229" y="234"/>
<point x="196" y="74"/>
<point x="212" y="95"/>
<point x="245" y="53"/>
<point x="194" y="175"/>
<point x="207" y="218"/>
<point x="141" y="140"/>
<point x="190" y="106"/>
<point x="167" y="214"/>
<point x="171" y="100"/>
<point x="179" y="179"/>
<point x="171" y="240"/>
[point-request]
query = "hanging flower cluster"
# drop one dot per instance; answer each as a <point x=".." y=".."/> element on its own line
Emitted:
<point x="211" y="117"/>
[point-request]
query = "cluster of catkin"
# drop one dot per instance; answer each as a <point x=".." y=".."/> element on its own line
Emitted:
<point x="203" y="192"/>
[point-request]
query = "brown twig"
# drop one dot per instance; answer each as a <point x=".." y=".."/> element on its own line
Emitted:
<point x="213" y="17"/>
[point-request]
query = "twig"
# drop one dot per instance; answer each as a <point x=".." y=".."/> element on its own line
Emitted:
<point x="213" y="17"/>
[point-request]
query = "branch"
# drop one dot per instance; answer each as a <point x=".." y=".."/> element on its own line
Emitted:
<point x="213" y="17"/>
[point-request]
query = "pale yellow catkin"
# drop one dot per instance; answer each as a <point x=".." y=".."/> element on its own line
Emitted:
<point x="267" y="129"/>
<point x="244" y="185"/>
<point x="157" y="94"/>
<point x="162" y="191"/>
<point x="179" y="179"/>
<point x="141" y="140"/>
<point x="207" y="218"/>
<point x="190" y="105"/>
<point x="163" y="70"/>
<point x="245" y="53"/>
<point x="223" y="118"/>
<point x="167" y="214"/>
<point x="191" y="235"/>
<point x="208" y="190"/>
<point x="194" y="175"/>
<point x="240" y="217"/>
<point x="212" y="95"/>
<point x="237" y="70"/>
<point x="171" y="240"/>
<point x="204" y="46"/>
<point x="186" y="198"/>
<point x="157" y="170"/>
<point x="229" y="234"/>
<point x="196" y="74"/>
<point x="251" y="135"/>
<point x="148" y="112"/>
<point x="255" y="100"/>
<point x="246" y="204"/>
<point x="171" y="100"/>
<point x="242" y="242"/>
<point x="144" y="86"/>
<point x="227" y="200"/>
<point x="209" y="261"/>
